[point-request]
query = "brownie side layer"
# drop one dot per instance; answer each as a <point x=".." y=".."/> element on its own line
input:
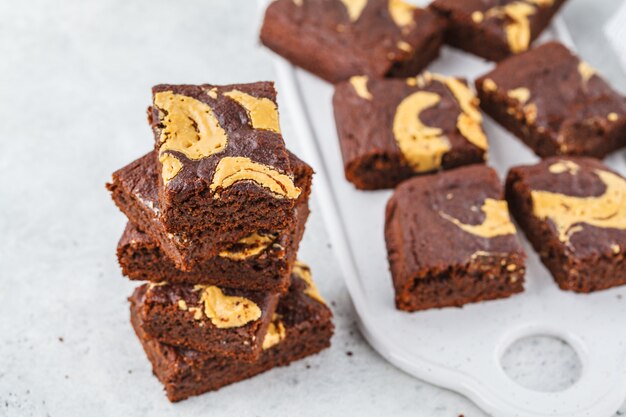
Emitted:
<point x="134" y="190"/>
<point x="593" y="258"/>
<point x="555" y="103"/>
<point x="142" y="259"/>
<point x="307" y="329"/>
<point x="450" y="241"/>
<point x="471" y="30"/>
<point x="324" y="38"/>
<point x="366" y="111"/>
<point x="222" y="163"/>
<point x="178" y="315"/>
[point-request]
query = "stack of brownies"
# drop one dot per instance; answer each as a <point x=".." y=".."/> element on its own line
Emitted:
<point x="216" y="214"/>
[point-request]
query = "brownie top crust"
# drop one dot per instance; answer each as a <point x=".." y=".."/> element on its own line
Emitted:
<point x="582" y="201"/>
<point x="551" y="88"/>
<point x="423" y="117"/>
<point x="514" y="21"/>
<point x="449" y="219"/>
<point x="216" y="136"/>
<point x="370" y="35"/>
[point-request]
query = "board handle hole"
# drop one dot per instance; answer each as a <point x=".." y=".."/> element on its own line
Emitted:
<point x="542" y="363"/>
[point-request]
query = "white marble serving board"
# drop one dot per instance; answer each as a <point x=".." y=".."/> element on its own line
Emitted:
<point x="460" y="349"/>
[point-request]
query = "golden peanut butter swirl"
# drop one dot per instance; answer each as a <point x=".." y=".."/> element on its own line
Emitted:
<point x="569" y="214"/>
<point x="497" y="221"/>
<point x="354" y="8"/>
<point x="402" y="14"/>
<point x="262" y="111"/>
<point x="521" y="95"/>
<point x="516" y="15"/>
<point x="233" y="169"/>
<point x="359" y="83"/>
<point x="249" y="246"/>
<point x="302" y="271"/>
<point x="189" y="127"/>
<point x="424" y="146"/>
<point x="276" y="332"/>
<point x="223" y="310"/>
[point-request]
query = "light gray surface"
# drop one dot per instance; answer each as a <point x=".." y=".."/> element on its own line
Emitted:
<point x="74" y="85"/>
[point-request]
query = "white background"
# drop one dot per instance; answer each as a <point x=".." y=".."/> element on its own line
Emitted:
<point x="75" y="80"/>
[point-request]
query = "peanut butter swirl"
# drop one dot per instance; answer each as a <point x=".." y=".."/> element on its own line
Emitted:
<point x="497" y="220"/>
<point x="226" y="311"/>
<point x="470" y="120"/>
<point x="276" y="332"/>
<point x="517" y="27"/>
<point x="359" y="83"/>
<point x="569" y="213"/>
<point x="401" y="13"/>
<point x="422" y="146"/>
<point x="189" y="127"/>
<point x="303" y="271"/>
<point x="262" y="111"/>
<point x="233" y="169"/>
<point x="354" y="8"/>
<point x="252" y="245"/>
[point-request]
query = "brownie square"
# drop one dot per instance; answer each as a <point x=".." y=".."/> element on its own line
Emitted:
<point x="555" y="103"/>
<point x="495" y="29"/>
<point x="134" y="189"/>
<point x="260" y="262"/>
<point x="392" y="129"/>
<point x="302" y="326"/>
<point x="450" y="240"/>
<point x="223" y="169"/>
<point x="336" y="39"/>
<point x="573" y="211"/>
<point x="206" y="318"/>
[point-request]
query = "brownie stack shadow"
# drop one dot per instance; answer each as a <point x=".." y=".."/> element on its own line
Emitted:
<point x="216" y="215"/>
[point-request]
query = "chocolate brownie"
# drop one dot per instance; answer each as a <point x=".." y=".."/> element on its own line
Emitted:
<point x="223" y="169"/>
<point x="573" y="211"/>
<point x="301" y="327"/>
<point x="495" y="29"/>
<point x="134" y="189"/>
<point x="450" y="240"/>
<point x="260" y="262"/>
<point x="336" y="39"/>
<point x="555" y="103"/>
<point x="392" y="129"/>
<point x="206" y="318"/>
